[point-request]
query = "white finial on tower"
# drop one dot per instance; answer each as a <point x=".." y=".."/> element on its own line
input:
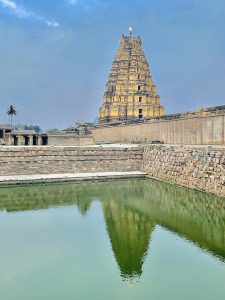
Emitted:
<point x="131" y="31"/>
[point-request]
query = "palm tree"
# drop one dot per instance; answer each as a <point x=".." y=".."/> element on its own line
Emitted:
<point x="11" y="112"/>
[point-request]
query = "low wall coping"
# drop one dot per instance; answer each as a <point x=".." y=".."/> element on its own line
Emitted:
<point x="45" y="178"/>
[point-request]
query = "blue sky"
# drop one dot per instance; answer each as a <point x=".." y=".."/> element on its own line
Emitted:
<point x="55" y="56"/>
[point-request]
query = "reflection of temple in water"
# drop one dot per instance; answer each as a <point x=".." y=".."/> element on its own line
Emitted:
<point x="131" y="210"/>
<point x="129" y="233"/>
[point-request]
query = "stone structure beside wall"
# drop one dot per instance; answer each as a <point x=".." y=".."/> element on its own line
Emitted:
<point x="25" y="138"/>
<point x="12" y="137"/>
<point x="73" y="136"/>
<point x="197" y="167"/>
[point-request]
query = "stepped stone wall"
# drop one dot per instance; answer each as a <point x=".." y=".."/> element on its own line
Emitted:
<point x="197" y="167"/>
<point x="53" y="160"/>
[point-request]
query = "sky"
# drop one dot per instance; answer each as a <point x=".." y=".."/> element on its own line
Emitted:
<point x="55" y="55"/>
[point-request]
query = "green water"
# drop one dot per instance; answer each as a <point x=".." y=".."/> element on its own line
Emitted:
<point x="128" y="239"/>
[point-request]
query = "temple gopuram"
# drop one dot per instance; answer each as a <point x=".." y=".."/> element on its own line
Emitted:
<point x="130" y="93"/>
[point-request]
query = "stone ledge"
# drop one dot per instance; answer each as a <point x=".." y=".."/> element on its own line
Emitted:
<point x="81" y="147"/>
<point x="46" y="178"/>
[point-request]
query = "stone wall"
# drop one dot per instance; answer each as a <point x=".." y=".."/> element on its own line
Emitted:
<point x="69" y="140"/>
<point x="197" y="128"/>
<point x="196" y="167"/>
<point x="53" y="160"/>
<point x="202" y="127"/>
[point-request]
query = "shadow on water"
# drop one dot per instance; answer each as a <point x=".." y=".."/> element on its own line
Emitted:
<point x="132" y="209"/>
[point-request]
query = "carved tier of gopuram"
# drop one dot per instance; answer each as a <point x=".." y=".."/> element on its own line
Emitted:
<point x="130" y="93"/>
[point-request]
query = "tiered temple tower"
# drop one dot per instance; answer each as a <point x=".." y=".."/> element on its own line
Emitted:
<point x="130" y="92"/>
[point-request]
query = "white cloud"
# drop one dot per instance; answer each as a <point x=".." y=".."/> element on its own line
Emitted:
<point x="53" y="24"/>
<point x="9" y="3"/>
<point x="23" y="13"/>
<point x="18" y="10"/>
<point x="72" y="2"/>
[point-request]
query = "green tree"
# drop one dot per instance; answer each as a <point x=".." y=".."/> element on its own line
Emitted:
<point x="37" y="129"/>
<point x="11" y="112"/>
